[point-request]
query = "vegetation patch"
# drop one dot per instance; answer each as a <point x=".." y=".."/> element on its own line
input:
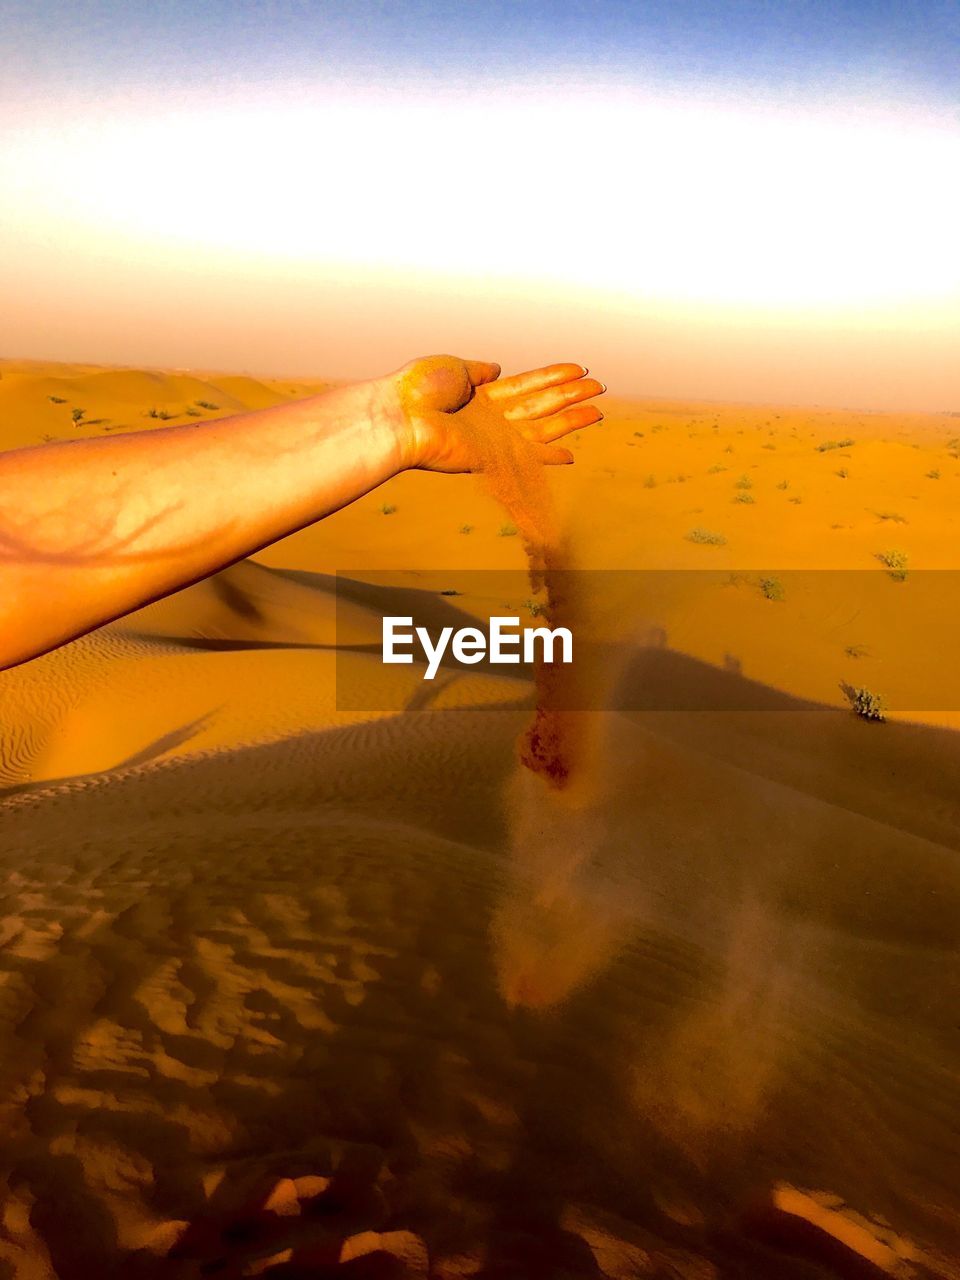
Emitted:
<point x="867" y="704"/>
<point x="896" y="561"/>
<point x="707" y="537"/>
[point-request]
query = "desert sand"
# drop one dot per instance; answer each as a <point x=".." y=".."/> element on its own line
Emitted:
<point x="289" y="989"/>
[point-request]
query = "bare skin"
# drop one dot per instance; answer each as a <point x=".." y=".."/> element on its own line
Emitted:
<point x="91" y="530"/>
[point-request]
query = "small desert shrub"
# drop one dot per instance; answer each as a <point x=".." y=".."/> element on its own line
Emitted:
<point x="744" y="497"/>
<point x="707" y="537"/>
<point x="449" y="591"/>
<point x="834" y="444"/>
<point x="77" y="416"/>
<point x="466" y="528"/>
<point x="896" y="561"/>
<point x="893" y="516"/>
<point x="638" y="434"/>
<point x="508" y="531"/>
<point x="387" y="509"/>
<point x="743" y="483"/>
<point x="205" y="404"/>
<point x="769" y="446"/>
<point x="796" y="501"/>
<point x="194" y="413"/>
<point x="650" y="482"/>
<point x="933" y="475"/>
<point x="784" y="484"/>
<point x="56" y="399"/>
<point x="728" y="448"/>
<point x="855" y="651"/>
<point x="534" y="608"/>
<point x="771" y="588"/>
<point x="163" y="414"/>
<point x="843" y="473"/>
<point x="715" y="470"/>
<point x="868" y="705"/>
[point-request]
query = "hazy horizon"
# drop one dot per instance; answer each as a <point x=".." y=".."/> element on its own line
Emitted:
<point x="710" y="201"/>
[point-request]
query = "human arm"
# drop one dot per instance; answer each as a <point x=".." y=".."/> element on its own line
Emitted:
<point x="91" y="530"/>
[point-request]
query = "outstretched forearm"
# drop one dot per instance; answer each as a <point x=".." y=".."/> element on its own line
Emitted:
<point x="92" y="529"/>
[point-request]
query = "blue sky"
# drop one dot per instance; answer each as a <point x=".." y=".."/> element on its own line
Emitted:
<point x="901" y="48"/>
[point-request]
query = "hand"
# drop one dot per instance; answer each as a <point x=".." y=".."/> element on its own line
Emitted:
<point x="445" y="407"/>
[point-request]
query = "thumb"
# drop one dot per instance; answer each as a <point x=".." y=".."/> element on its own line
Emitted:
<point x="481" y="371"/>
<point x="441" y="383"/>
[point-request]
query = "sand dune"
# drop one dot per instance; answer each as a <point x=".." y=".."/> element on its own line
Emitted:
<point x="290" y="990"/>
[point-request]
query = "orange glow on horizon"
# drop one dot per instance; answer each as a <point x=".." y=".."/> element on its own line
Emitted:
<point x="688" y="248"/>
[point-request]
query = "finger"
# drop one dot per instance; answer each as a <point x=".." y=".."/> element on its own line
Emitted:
<point x="481" y="371"/>
<point x="536" y="379"/>
<point x="561" y="424"/>
<point x="554" y="455"/>
<point x="541" y="404"/>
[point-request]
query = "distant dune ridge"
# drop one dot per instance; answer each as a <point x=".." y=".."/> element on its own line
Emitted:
<point x="288" y="990"/>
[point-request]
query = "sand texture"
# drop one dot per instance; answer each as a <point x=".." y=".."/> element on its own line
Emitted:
<point x="293" y="991"/>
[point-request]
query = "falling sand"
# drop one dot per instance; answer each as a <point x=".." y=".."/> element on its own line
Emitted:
<point x="515" y="475"/>
<point x="560" y="922"/>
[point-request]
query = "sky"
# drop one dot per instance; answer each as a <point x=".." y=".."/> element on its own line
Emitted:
<point x="739" y="200"/>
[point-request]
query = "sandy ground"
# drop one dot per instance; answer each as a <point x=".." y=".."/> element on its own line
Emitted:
<point x="289" y="990"/>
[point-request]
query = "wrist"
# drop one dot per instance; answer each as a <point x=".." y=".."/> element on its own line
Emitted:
<point x="390" y="415"/>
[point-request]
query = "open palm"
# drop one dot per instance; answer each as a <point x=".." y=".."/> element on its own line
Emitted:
<point x="454" y="410"/>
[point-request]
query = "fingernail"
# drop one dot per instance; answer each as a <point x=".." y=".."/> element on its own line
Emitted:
<point x="603" y="386"/>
